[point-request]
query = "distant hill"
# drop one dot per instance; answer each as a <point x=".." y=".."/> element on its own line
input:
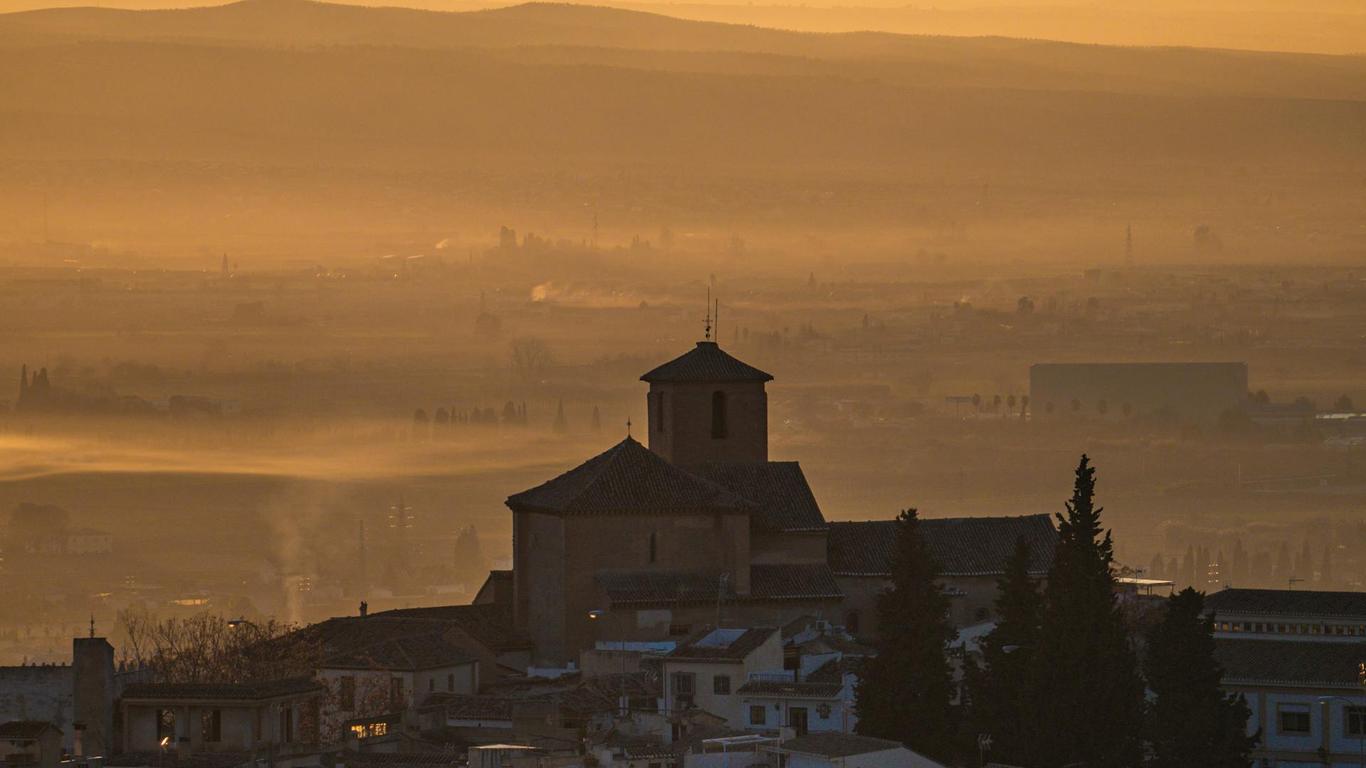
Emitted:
<point x="990" y="62"/>
<point x="232" y="119"/>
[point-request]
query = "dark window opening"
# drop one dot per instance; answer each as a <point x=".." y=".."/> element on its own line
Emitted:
<point x="654" y="547"/>
<point x="1294" y="720"/>
<point x="286" y="725"/>
<point x="1354" y="721"/>
<point x="851" y="622"/>
<point x="450" y="682"/>
<point x="720" y="685"/>
<point x="758" y="715"/>
<point x="659" y="411"/>
<point x="396" y="692"/>
<point x="346" y="694"/>
<point x="211" y="726"/>
<point x="718" y="415"/>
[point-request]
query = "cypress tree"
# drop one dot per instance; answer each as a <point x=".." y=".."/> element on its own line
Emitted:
<point x="1000" y="697"/>
<point x="1086" y="696"/>
<point x="904" y="692"/>
<point x="1192" y="721"/>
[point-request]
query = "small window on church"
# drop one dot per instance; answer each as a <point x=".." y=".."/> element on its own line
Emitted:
<point x="654" y="546"/>
<point x="718" y="415"/>
<point x="659" y="411"/>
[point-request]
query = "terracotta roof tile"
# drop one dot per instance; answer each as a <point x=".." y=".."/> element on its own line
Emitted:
<point x="406" y="652"/>
<point x="627" y="478"/>
<point x="705" y="362"/>
<point x="778" y="489"/>
<point x="1289" y="662"/>
<point x="812" y="581"/>
<point x="798" y="581"/>
<point x="1285" y="602"/>
<point x="962" y="546"/>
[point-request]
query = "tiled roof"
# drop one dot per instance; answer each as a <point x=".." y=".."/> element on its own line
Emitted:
<point x="627" y="478"/>
<point x="1285" y="602"/>
<point x="812" y="581"/>
<point x="575" y="696"/>
<point x="1289" y="662"/>
<point x="962" y="546"/>
<point x="489" y="624"/>
<point x="806" y="689"/>
<point x="251" y="691"/>
<point x="803" y="581"/>
<point x="467" y="707"/>
<point x="486" y="627"/>
<point x="832" y="744"/>
<point x="602" y="693"/>
<point x="721" y="644"/>
<point x="833" y="671"/>
<point x="705" y="362"/>
<point x="407" y="652"/>
<point x="777" y="488"/>
<point x="652" y="587"/>
<point x="25" y="729"/>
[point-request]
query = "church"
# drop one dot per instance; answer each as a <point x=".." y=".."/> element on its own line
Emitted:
<point x="649" y="543"/>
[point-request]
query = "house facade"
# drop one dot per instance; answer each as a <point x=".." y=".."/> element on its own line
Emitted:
<point x="1296" y="656"/>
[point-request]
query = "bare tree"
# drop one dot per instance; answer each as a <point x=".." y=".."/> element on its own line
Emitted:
<point x="207" y="648"/>
<point x="530" y="357"/>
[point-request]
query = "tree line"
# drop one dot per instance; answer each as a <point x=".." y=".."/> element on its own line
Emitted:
<point x="1059" y="682"/>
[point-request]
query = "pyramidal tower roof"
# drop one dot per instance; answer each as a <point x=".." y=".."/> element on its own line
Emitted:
<point x="627" y="478"/>
<point x="705" y="362"/>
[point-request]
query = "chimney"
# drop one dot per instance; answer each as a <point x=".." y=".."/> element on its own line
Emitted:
<point x="364" y="609"/>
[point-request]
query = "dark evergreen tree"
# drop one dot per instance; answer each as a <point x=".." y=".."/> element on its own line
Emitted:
<point x="904" y="692"/>
<point x="1000" y="690"/>
<point x="1086" y="696"/>
<point x="1192" y="720"/>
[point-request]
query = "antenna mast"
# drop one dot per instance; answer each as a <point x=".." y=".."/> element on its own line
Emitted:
<point x="706" y="328"/>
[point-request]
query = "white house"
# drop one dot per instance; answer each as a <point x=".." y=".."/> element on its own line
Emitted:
<point x="707" y="670"/>
<point x="821" y="701"/>
<point x="1306" y="699"/>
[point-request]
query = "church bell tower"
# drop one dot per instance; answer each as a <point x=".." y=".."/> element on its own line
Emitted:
<point x="708" y="407"/>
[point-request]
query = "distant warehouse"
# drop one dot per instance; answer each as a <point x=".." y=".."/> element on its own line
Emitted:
<point x="1186" y="392"/>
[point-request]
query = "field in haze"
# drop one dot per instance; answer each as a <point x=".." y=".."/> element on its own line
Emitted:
<point x="291" y="266"/>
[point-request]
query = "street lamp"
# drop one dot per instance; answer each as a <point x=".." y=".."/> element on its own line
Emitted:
<point x="1361" y="731"/>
